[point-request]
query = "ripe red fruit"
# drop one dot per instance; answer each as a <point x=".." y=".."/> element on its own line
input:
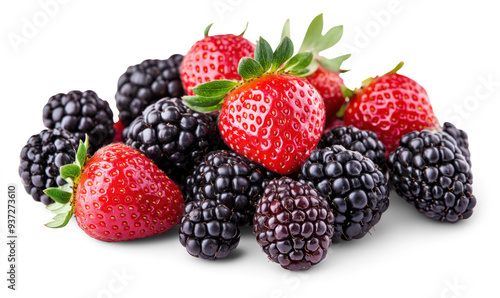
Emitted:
<point x="275" y="120"/>
<point x="214" y="58"/>
<point x="391" y="105"/>
<point x="329" y="85"/>
<point x="119" y="195"/>
<point x="273" y="117"/>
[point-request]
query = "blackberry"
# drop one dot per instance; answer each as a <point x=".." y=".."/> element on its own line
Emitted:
<point x="208" y="230"/>
<point x="230" y="179"/>
<point x="460" y="137"/>
<point x="365" y="142"/>
<point x="293" y="224"/>
<point x="173" y="136"/>
<point x="81" y="113"/>
<point x="430" y="172"/>
<point x="146" y="83"/>
<point x="353" y="185"/>
<point x="41" y="158"/>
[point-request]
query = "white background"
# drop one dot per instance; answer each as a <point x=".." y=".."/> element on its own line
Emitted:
<point x="450" y="48"/>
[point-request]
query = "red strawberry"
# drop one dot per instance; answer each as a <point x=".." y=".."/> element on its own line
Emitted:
<point x="119" y="130"/>
<point x="391" y="105"/>
<point x="273" y="117"/>
<point x="214" y="58"/>
<point x="119" y="195"/>
<point x="325" y="73"/>
<point x="329" y="85"/>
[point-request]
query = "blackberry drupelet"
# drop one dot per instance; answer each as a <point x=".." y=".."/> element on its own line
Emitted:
<point x="208" y="230"/>
<point x="353" y="185"/>
<point x="146" y="83"/>
<point x="41" y="159"/>
<point x="365" y="142"/>
<point x="430" y="172"/>
<point x="230" y="179"/>
<point x="81" y="113"/>
<point x="460" y="137"/>
<point x="173" y="136"/>
<point x="293" y="224"/>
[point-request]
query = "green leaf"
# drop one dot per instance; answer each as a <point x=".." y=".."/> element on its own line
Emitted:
<point x="60" y="220"/>
<point x="346" y="92"/>
<point x="207" y="30"/>
<point x="286" y="30"/>
<point x="299" y="61"/>
<point x="328" y="40"/>
<point x="282" y="53"/>
<point x="202" y="101"/>
<point x="81" y="154"/>
<point x="300" y="72"/>
<point x="313" y="34"/>
<point x="249" y="68"/>
<point x="215" y="88"/>
<point x="58" y="195"/>
<point x="335" y="63"/>
<point x="207" y="109"/>
<point x="70" y="171"/>
<point x="341" y="111"/>
<point x="264" y="54"/>
<point x="68" y="187"/>
<point x="55" y="206"/>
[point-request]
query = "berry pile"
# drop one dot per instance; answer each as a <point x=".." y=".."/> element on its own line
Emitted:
<point x="237" y="134"/>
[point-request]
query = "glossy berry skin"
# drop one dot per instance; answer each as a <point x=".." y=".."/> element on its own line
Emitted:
<point x="208" y="230"/>
<point x="329" y="84"/>
<point x="214" y="58"/>
<point x="146" y="83"/>
<point x="391" y="105"/>
<point x="355" y="188"/>
<point x="121" y="196"/>
<point x="42" y="157"/>
<point x="430" y="172"/>
<point x="81" y="113"/>
<point x="460" y="137"/>
<point x="275" y="120"/>
<point x="293" y="224"/>
<point x="363" y="141"/>
<point x="229" y="179"/>
<point x="173" y="136"/>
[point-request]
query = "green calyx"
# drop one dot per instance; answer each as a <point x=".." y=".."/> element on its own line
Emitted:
<point x="315" y="41"/>
<point x="64" y="205"/>
<point x="210" y="96"/>
<point x="369" y="80"/>
<point x="207" y="30"/>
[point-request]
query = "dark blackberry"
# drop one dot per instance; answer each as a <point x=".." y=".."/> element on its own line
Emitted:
<point x="41" y="159"/>
<point x="146" y="83"/>
<point x="430" y="172"/>
<point x="229" y="179"/>
<point x="293" y="224"/>
<point x="208" y="230"/>
<point x="460" y="137"/>
<point x="81" y="113"/>
<point x="353" y="185"/>
<point x="365" y="142"/>
<point x="173" y="136"/>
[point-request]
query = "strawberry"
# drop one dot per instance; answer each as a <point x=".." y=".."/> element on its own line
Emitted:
<point x="390" y="105"/>
<point x="273" y="117"/>
<point x="214" y="58"/>
<point x="116" y="195"/>
<point x="119" y="130"/>
<point x="324" y="73"/>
